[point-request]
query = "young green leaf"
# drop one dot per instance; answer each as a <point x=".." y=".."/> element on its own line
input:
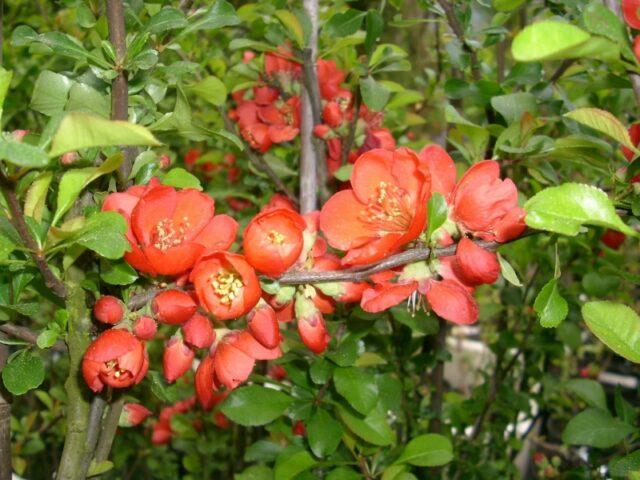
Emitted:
<point x="616" y="325"/>
<point x="180" y="178"/>
<point x="604" y="122"/>
<point x="547" y="40"/>
<point x="22" y="154"/>
<point x="429" y="450"/>
<point x="374" y="94"/>
<point x="23" y="372"/>
<point x="566" y="208"/>
<point x="550" y="306"/>
<point x="81" y="130"/>
<point x="595" y="428"/>
<point x="588" y="390"/>
<point x="437" y="213"/>
<point x="508" y="272"/>
<point x="344" y="23"/>
<point x="292" y="461"/>
<point x="210" y="89"/>
<point x="373" y="428"/>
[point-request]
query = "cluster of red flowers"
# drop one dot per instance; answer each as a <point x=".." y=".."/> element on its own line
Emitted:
<point x="175" y="234"/>
<point x="269" y="113"/>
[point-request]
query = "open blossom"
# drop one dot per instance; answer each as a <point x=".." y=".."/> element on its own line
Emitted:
<point x="168" y="230"/>
<point x="226" y="285"/>
<point x="116" y="358"/>
<point x="272" y="241"/>
<point x="384" y="210"/>
<point x="487" y="206"/>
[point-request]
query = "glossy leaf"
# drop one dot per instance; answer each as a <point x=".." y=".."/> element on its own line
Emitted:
<point x="324" y="434"/>
<point x="616" y="325"/>
<point x="23" y="372"/>
<point x="255" y="405"/>
<point x="429" y="450"/>
<point x="550" y="306"/>
<point x="357" y="386"/>
<point x="595" y="428"/>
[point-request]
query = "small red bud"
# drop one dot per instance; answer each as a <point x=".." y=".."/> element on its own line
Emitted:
<point x="263" y="325"/>
<point x="177" y="359"/>
<point x="108" y="309"/>
<point x="198" y="332"/>
<point x="299" y="429"/>
<point x="133" y="414"/>
<point x="145" y="328"/>
<point x="173" y="307"/>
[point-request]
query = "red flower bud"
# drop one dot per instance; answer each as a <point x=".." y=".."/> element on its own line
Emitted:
<point x="613" y="239"/>
<point x="115" y="358"/>
<point x="145" y="328"/>
<point x="173" y="307"/>
<point x="321" y="130"/>
<point x="133" y="414"/>
<point x="109" y="310"/>
<point x="161" y="434"/>
<point x="332" y="114"/>
<point x="263" y="325"/>
<point x="177" y="359"/>
<point x="313" y="332"/>
<point x="277" y="372"/>
<point x="299" y="429"/>
<point x="273" y="241"/>
<point x="197" y="332"/>
<point x="475" y="265"/>
<point x="631" y="13"/>
<point x="204" y="383"/>
<point x="221" y="420"/>
<point x="165" y="161"/>
<point x="69" y="158"/>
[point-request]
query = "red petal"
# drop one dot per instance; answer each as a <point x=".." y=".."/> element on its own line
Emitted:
<point x="340" y="221"/>
<point x="441" y="168"/>
<point x="476" y="265"/>
<point x="452" y="301"/>
<point x="219" y="234"/>
<point x="383" y="297"/>
<point x="630" y="11"/>
<point x="155" y="206"/>
<point x="370" y="170"/>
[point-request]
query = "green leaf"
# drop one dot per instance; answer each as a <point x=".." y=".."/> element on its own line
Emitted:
<point x="430" y="450"/>
<point x="167" y="18"/>
<point x="6" y="247"/>
<point x="104" y="233"/>
<point x="565" y="208"/>
<point x="255" y="405"/>
<point x="210" y="89"/>
<point x="5" y="83"/>
<point x="344" y="23"/>
<point x="421" y="321"/>
<point x="292" y="461"/>
<point x="76" y="180"/>
<point x="547" y="40"/>
<point x="34" y="202"/>
<point x="588" y="390"/>
<point x="83" y="98"/>
<point x="616" y="325"/>
<point x="508" y="272"/>
<point x="255" y="472"/>
<point x="220" y="14"/>
<point x="604" y="122"/>
<point x="373" y="428"/>
<point x="437" y="213"/>
<point x="22" y="154"/>
<point x="506" y="5"/>
<point x="344" y="172"/>
<point x="358" y="387"/>
<point x="180" y="178"/>
<point x="229" y="137"/>
<point x="550" y="306"/>
<point x="514" y="105"/>
<point x="98" y="468"/>
<point x="23" y="372"/>
<point x="375" y="26"/>
<point x="374" y="94"/>
<point x="291" y="23"/>
<point x="50" y="93"/>
<point x="68" y="46"/>
<point x="623" y="466"/>
<point x="80" y="130"/>
<point x="117" y="273"/>
<point x="47" y="339"/>
<point x="595" y="428"/>
<point x="601" y="20"/>
<point x="324" y="434"/>
<point x="343" y="473"/>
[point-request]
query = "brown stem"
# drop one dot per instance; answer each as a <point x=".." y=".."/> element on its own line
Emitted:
<point x="93" y="429"/>
<point x="564" y="66"/>
<point x="28" y="335"/>
<point x="258" y="162"/>
<point x="452" y="19"/>
<point x="18" y="221"/>
<point x="360" y="274"/>
<point x="120" y="84"/>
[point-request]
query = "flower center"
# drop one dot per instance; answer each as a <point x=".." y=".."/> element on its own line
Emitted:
<point x="387" y="211"/>
<point x="276" y="237"/>
<point x="114" y="369"/>
<point x="227" y="286"/>
<point x="167" y="233"/>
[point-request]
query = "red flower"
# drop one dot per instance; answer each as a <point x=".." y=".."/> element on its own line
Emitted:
<point x="145" y="328"/>
<point x="198" y="332"/>
<point x="272" y="241"/>
<point x="115" y="358"/>
<point x="634" y="134"/>
<point x="133" y="414"/>
<point x="176" y="359"/>
<point x="265" y="95"/>
<point x="205" y="389"/>
<point x="386" y="294"/>
<point x="263" y="325"/>
<point x="169" y="229"/>
<point x="631" y="12"/>
<point x="108" y="309"/>
<point x="221" y="420"/>
<point x="332" y="114"/>
<point x="487" y="206"/>
<point x="451" y="301"/>
<point x="226" y="285"/>
<point x="232" y="365"/>
<point x="161" y="433"/>
<point x="281" y="63"/>
<point x="475" y="265"/>
<point x="191" y="158"/>
<point x="442" y="168"/>
<point x="384" y="210"/>
<point x="173" y="307"/>
<point x="613" y="239"/>
<point x="277" y="372"/>
<point x="299" y="429"/>
<point x="330" y="77"/>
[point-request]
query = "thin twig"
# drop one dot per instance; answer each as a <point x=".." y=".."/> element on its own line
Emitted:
<point x="109" y="427"/>
<point x="360" y="274"/>
<point x="258" y="162"/>
<point x="564" y="66"/>
<point x="18" y="221"/>
<point x="28" y="335"/>
<point x="458" y="31"/>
